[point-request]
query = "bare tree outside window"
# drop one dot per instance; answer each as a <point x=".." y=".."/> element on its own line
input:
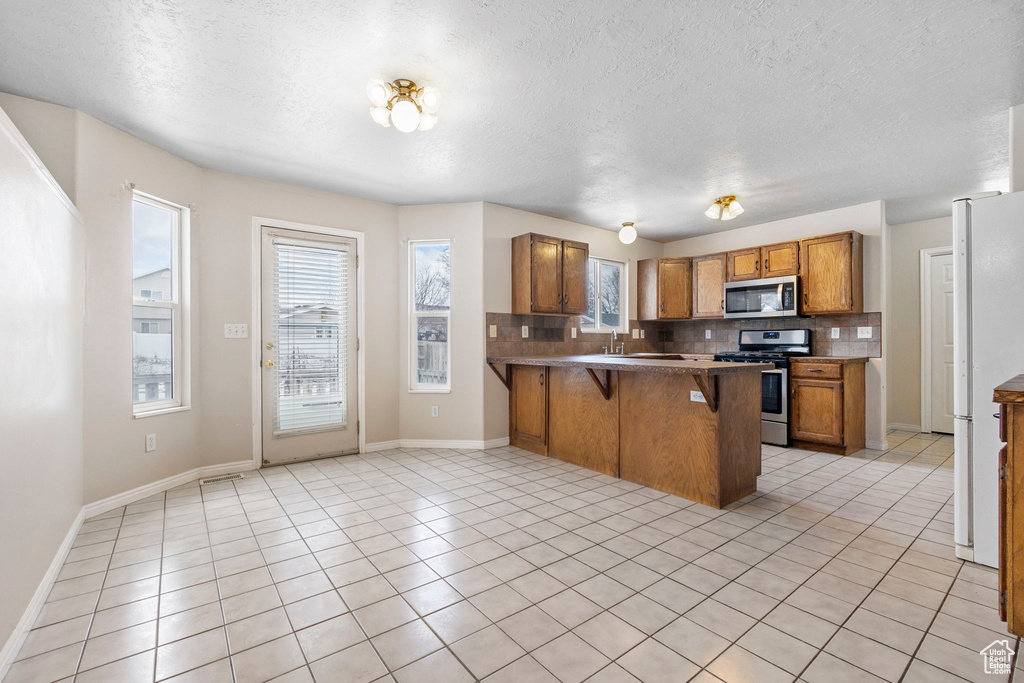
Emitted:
<point x="431" y="270"/>
<point x="605" y="292"/>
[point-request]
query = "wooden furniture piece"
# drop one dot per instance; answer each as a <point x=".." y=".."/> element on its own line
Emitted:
<point x="664" y="290"/>
<point x="708" y="277"/>
<point x="780" y="259"/>
<point x="689" y="428"/>
<point x="744" y="264"/>
<point x="1010" y="397"/>
<point x="832" y="274"/>
<point x="826" y="408"/>
<point x="549" y="275"/>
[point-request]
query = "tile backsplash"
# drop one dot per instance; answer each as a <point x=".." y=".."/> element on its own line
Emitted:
<point x="552" y="335"/>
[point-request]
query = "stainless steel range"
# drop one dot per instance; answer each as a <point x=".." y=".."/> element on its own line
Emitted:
<point x="772" y="346"/>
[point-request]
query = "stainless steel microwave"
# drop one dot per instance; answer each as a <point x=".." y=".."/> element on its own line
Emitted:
<point x="771" y="297"/>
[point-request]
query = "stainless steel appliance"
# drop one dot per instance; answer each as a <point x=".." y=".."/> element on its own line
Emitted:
<point x="772" y="346"/>
<point x="769" y="297"/>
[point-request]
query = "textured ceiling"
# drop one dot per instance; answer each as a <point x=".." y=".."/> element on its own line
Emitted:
<point x="597" y="112"/>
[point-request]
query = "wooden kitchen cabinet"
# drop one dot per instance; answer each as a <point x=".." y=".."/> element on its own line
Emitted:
<point x="780" y="259"/>
<point x="832" y="274"/>
<point x="826" y="407"/>
<point x="1010" y="397"/>
<point x="549" y="275"/>
<point x="708" y="278"/>
<point x="528" y="407"/>
<point x="744" y="264"/>
<point x="664" y="289"/>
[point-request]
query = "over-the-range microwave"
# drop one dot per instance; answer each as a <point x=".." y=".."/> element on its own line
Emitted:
<point x="770" y="297"/>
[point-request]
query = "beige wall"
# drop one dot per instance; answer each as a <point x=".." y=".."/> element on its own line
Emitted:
<point x="42" y="263"/>
<point x="867" y="219"/>
<point x="224" y="247"/>
<point x="501" y="224"/>
<point x="461" y="412"/>
<point x="50" y="129"/>
<point x="906" y="241"/>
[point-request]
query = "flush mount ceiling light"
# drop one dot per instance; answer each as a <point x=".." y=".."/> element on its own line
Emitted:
<point x="403" y="104"/>
<point x="627" y="233"/>
<point x="725" y="208"/>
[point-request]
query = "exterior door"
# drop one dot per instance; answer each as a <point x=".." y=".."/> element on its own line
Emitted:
<point x="940" y="339"/>
<point x="575" y="257"/>
<point x="546" y="274"/>
<point x="309" y="345"/>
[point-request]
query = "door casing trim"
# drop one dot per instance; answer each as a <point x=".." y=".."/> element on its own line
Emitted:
<point x="255" y="331"/>
<point x="926" y="325"/>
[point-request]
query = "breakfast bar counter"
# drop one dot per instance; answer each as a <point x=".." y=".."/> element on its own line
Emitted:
<point x="685" y="427"/>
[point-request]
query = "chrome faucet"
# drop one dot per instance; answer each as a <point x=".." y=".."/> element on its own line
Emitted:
<point x="621" y="348"/>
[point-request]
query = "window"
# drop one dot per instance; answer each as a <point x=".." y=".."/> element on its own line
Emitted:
<point x="606" y="292"/>
<point x="159" y="318"/>
<point x="430" y="269"/>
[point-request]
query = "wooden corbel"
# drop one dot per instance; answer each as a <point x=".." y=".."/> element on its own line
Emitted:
<point x="506" y="379"/>
<point x="708" y="385"/>
<point x="606" y="386"/>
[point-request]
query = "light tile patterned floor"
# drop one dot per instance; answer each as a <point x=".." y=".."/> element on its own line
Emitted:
<point x="444" y="566"/>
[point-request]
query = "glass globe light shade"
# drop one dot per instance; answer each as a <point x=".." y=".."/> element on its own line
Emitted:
<point x="427" y="121"/>
<point x="405" y="116"/>
<point x="734" y="209"/>
<point x="714" y="211"/>
<point x="430" y="100"/>
<point x="627" y="234"/>
<point x="377" y="91"/>
<point x="380" y="115"/>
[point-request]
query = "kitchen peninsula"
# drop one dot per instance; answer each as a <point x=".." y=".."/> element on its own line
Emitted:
<point x="685" y="427"/>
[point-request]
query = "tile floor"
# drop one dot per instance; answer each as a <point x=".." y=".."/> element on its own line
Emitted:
<point x="447" y="566"/>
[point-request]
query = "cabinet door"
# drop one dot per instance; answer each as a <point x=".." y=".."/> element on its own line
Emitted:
<point x="674" y="292"/>
<point x="574" y="276"/>
<point x="1005" y="545"/>
<point x="528" y="408"/>
<point x="745" y="264"/>
<point x="546" y="274"/>
<point x="826" y="273"/>
<point x="816" y="411"/>
<point x="780" y="259"/>
<point x="708" y="279"/>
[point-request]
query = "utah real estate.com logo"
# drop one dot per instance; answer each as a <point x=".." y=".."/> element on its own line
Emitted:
<point x="998" y="657"/>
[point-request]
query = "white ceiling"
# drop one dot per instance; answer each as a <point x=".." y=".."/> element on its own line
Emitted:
<point x="598" y="112"/>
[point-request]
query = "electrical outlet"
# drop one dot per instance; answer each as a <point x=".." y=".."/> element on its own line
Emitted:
<point x="150" y="443"/>
<point x="236" y="331"/>
<point x="697" y="397"/>
<point x="493" y="331"/>
<point x="526" y="331"/>
<point x="636" y="333"/>
<point x="863" y="333"/>
<point x="835" y="333"/>
<point x="707" y="334"/>
<point x="574" y="333"/>
<point x="433" y="411"/>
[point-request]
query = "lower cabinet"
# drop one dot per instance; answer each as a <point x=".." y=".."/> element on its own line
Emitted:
<point x="826" y="408"/>
<point x="1010" y="397"/>
<point x="528" y="408"/>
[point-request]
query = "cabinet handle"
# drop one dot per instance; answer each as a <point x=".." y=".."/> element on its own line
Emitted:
<point x="542" y="379"/>
<point x="757" y="266"/>
<point x="805" y="298"/>
<point x="766" y="265"/>
<point x="662" y="306"/>
<point x="815" y="370"/>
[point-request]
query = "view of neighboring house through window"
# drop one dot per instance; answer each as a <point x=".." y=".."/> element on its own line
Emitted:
<point x="606" y="297"/>
<point x="157" y="349"/>
<point x="430" y="279"/>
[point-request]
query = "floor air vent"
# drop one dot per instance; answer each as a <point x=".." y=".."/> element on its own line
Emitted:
<point x="226" y="477"/>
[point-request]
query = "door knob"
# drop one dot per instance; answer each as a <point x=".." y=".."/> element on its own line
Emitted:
<point x="269" y="363"/>
<point x="270" y="345"/>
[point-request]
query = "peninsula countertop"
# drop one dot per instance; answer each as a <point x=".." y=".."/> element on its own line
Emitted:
<point x="635" y="364"/>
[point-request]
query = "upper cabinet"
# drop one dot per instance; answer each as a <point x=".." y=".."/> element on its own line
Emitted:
<point x="774" y="260"/>
<point x="664" y="289"/>
<point x="708" y="277"/>
<point x="744" y="264"/>
<point x="832" y="274"/>
<point x="549" y="275"/>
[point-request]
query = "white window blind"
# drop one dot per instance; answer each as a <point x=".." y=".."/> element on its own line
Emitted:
<point x="310" y="297"/>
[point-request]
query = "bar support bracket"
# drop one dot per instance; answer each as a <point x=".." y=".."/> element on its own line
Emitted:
<point x="606" y="386"/>
<point x="506" y="379"/>
<point x="708" y="385"/>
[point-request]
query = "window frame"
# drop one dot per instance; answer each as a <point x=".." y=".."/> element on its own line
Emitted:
<point x="179" y="306"/>
<point x="414" y="315"/>
<point x="599" y="327"/>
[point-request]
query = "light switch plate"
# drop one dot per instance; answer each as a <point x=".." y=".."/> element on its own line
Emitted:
<point x="493" y="331"/>
<point x="236" y="331"/>
<point x="526" y="331"/>
<point x="863" y="333"/>
<point x="636" y="333"/>
<point x="697" y="397"/>
<point x="835" y="333"/>
<point x="574" y="333"/>
<point x="707" y="334"/>
<point x="641" y="334"/>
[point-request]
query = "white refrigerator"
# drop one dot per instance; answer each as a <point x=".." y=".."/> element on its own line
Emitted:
<point x="988" y="316"/>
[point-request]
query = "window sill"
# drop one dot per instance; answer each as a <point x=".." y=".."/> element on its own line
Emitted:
<point x="430" y="391"/>
<point x="161" y="411"/>
<point x="605" y="331"/>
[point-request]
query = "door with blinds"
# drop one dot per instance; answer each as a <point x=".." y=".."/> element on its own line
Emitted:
<point x="309" y="346"/>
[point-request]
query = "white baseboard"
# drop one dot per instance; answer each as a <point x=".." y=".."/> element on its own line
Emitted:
<point x="28" y="618"/>
<point x="904" y="427"/>
<point x="877" y="445"/>
<point x="435" y="443"/>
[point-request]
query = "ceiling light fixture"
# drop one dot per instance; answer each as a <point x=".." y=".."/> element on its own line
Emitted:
<point x="725" y="208"/>
<point x="627" y="233"/>
<point x="403" y="104"/>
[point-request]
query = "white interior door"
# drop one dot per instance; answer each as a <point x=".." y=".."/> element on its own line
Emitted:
<point x="940" y="340"/>
<point x="309" y="343"/>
